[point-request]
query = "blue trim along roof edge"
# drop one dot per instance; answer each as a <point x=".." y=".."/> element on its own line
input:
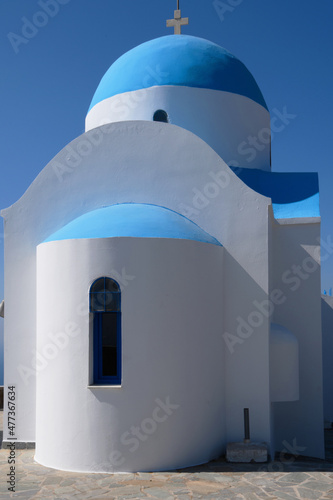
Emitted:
<point x="294" y="195"/>
<point x="132" y="220"/>
<point x="178" y="60"/>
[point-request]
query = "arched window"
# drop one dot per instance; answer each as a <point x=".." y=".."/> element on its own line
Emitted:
<point x="161" y="116"/>
<point x="105" y="304"/>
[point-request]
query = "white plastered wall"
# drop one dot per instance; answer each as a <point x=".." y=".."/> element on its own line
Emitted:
<point x="236" y="127"/>
<point x="284" y="365"/>
<point x="246" y="333"/>
<point x="296" y="275"/>
<point x="144" y="162"/>
<point x="172" y="351"/>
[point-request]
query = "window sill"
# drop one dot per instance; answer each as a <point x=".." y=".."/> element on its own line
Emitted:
<point x="101" y="386"/>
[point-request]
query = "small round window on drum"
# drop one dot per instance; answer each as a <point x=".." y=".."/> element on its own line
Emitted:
<point x="161" y="116"/>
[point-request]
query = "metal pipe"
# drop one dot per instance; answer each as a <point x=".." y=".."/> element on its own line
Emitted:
<point x="246" y="425"/>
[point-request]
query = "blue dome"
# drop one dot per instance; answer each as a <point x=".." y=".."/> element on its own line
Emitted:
<point x="132" y="220"/>
<point x="179" y="60"/>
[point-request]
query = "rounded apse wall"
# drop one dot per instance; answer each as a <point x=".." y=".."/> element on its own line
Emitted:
<point x="167" y="412"/>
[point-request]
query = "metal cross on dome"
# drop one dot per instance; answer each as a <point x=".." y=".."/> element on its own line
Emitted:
<point x="177" y="22"/>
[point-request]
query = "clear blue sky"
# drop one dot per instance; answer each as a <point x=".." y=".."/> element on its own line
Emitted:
<point x="47" y="86"/>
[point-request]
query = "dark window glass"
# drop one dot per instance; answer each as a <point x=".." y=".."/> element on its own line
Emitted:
<point x="109" y="344"/>
<point x="161" y="116"/>
<point x="104" y="295"/>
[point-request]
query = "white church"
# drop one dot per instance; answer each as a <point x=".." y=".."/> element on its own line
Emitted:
<point x="160" y="278"/>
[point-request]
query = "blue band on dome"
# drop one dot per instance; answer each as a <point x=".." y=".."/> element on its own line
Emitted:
<point x="178" y="60"/>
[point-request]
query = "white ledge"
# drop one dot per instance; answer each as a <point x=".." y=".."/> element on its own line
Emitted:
<point x="299" y="220"/>
<point x="104" y="387"/>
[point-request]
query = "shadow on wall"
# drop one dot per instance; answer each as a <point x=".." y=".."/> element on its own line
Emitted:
<point x="297" y="275"/>
<point x="1" y="352"/>
<point x="327" y="328"/>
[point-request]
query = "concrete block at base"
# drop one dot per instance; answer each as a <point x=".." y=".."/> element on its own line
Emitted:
<point x="247" y="452"/>
<point x="19" y="445"/>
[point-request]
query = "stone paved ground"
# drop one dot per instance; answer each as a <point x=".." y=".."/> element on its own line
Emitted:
<point x="286" y="479"/>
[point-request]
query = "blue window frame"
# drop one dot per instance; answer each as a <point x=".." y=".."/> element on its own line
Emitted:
<point x="105" y="304"/>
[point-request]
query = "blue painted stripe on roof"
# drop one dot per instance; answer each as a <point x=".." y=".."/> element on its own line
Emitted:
<point x="132" y="220"/>
<point x="294" y="195"/>
<point x="299" y="209"/>
<point x="178" y="60"/>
